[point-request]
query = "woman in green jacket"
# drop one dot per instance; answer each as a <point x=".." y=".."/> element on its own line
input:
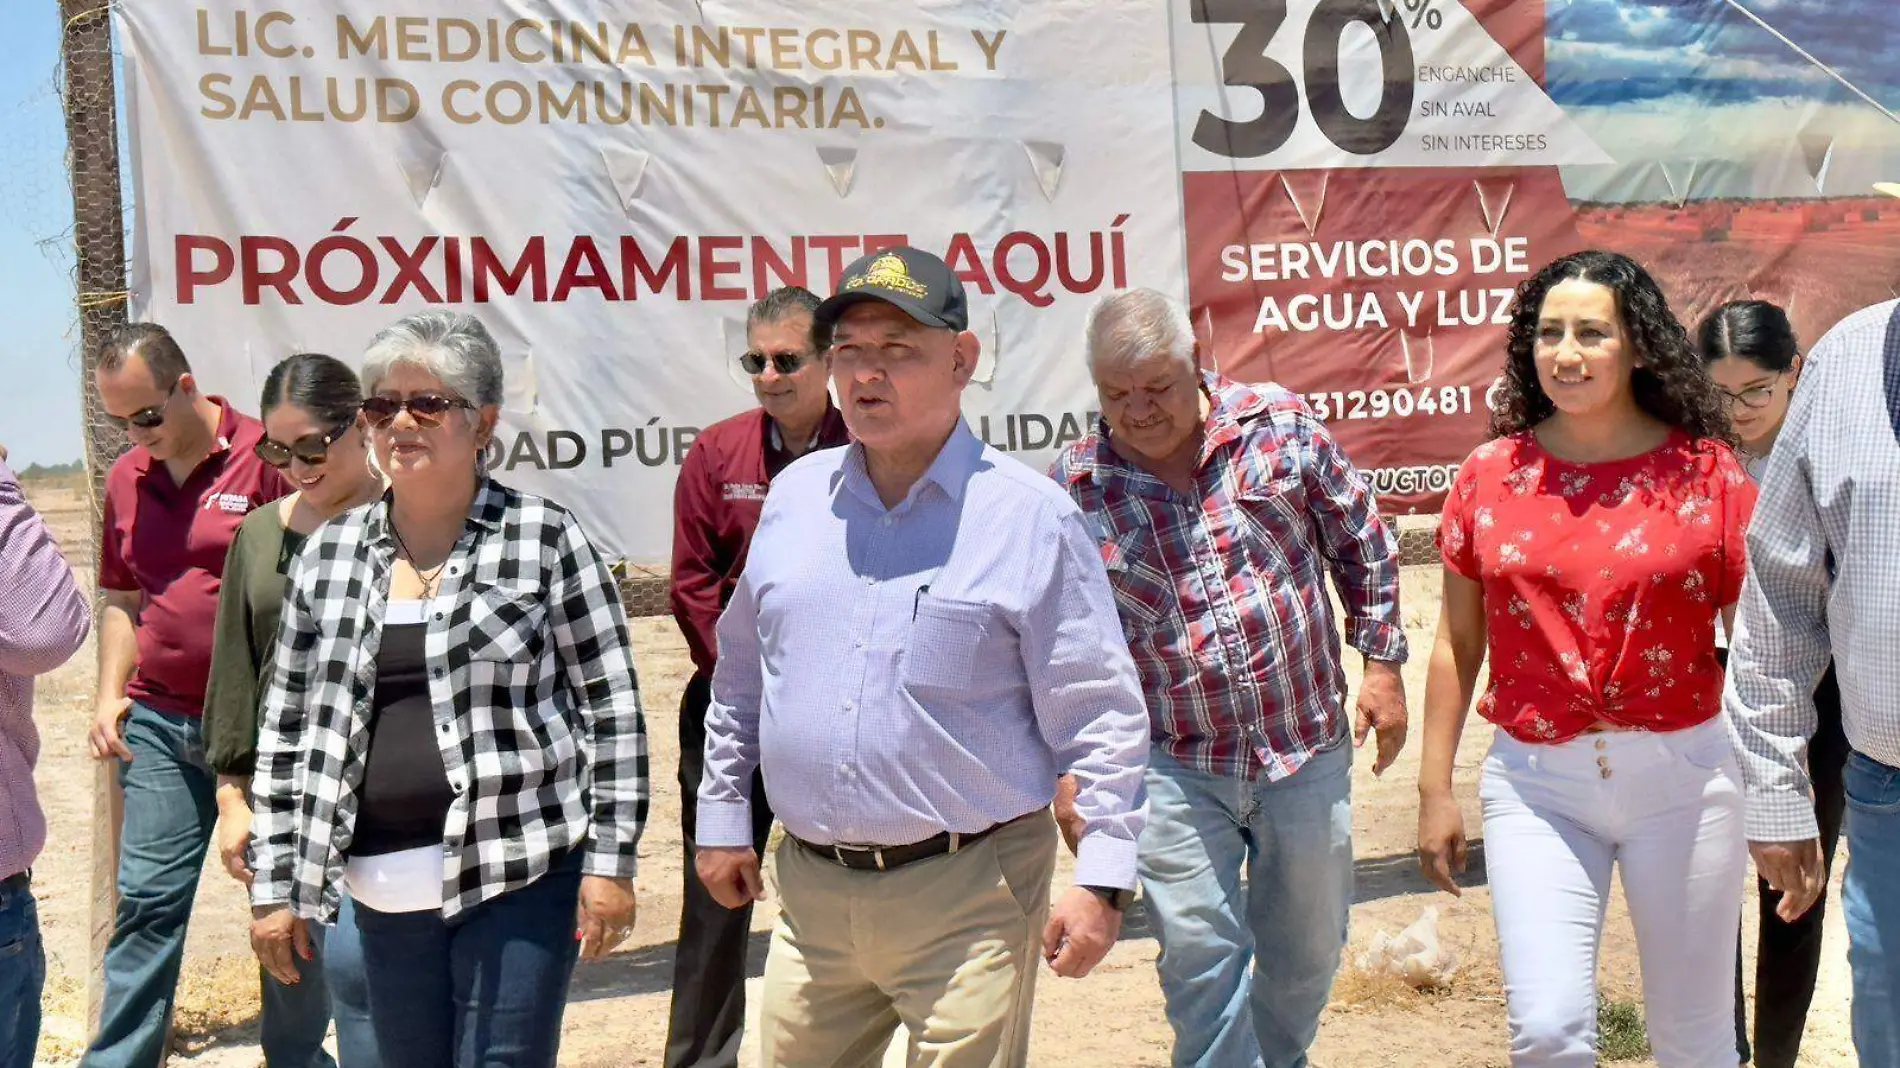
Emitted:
<point x="313" y="433"/>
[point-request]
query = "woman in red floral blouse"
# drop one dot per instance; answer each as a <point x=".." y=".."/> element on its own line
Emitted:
<point x="1588" y="549"/>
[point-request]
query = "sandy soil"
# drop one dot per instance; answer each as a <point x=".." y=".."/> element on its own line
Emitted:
<point x="617" y="1012"/>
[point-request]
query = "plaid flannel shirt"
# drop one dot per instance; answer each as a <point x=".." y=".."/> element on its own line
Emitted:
<point x="1222" y="595"/>
<point x="1821" y="581"/>
<point x="537" y="709"/>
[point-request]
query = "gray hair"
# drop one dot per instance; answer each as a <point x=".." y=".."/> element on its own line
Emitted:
<point x="453" y="347"/>
<point x="1138" y="324"/>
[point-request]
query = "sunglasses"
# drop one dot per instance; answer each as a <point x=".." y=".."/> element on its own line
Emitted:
<point x="312" y="449"/>
<point x="427" y="409"/>
<point x="150" y="418"/>
<point x="784" y="363"/>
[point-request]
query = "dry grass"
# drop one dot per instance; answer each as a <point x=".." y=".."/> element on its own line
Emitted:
<point x="63" y="1030"/>
<point x="1358" y="989"/>
<point x="217" y="1001"/>
<point x="216" y="996"/>
<point x="1475" y="977"/>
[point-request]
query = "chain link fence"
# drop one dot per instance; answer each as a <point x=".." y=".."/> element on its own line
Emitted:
<point x="1418" y="542"/>
<point x="87" y="86"/>
<point x="642" y="589"/>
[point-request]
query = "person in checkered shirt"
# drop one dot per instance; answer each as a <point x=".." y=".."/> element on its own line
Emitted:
<point x="451" y="731"/>
<point x="1222" y="510"/>
<point x="1821" y="587"/>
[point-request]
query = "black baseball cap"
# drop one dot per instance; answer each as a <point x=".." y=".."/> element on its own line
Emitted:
<point x="912" y="280"/>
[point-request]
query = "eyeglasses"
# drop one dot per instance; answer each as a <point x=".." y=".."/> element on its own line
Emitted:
<point x="312" y="449"/>
<point x="427" y="409"/>
<point x="784" y="363"/>
<point x="150" y="418"/>
<point x="1755" y="396"/>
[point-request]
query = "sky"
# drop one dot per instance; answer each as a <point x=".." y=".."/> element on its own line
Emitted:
<point x="1639" y="50"/>
<point x="39" y="403"/>
<point x="1696" y="86"/>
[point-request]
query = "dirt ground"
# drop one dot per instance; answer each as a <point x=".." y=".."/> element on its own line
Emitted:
<point x="617" y="1011"/>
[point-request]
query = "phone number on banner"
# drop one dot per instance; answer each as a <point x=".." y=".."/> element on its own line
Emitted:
<point x="1390" y="403"/>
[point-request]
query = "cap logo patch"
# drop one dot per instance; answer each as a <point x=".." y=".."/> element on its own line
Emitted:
<point x="888" y="272"/>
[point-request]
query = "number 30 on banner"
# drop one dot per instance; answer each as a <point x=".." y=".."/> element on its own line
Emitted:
<point x="1246" y="65"/>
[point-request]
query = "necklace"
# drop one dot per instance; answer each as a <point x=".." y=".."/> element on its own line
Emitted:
<point x="428" y="577"/>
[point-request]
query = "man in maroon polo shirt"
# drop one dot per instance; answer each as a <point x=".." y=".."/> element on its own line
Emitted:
<point x="173" y="503"/>
<point x="716" y="505"/>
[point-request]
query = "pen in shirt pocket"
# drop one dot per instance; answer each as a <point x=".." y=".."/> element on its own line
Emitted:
<point x="918" y="600"/>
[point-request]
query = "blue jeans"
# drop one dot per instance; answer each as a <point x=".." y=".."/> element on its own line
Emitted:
<point x="170" y="811"/>
<point x="22" y="976"/>
<point x="349" y="990"/>
<point x="487" y="992"/>
<point x="1870" y="897"/>
<point x="1293" y="841"/>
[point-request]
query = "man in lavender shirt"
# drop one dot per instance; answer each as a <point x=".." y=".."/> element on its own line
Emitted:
<point x="922" y="640"/>
<point x="43" y="621"/>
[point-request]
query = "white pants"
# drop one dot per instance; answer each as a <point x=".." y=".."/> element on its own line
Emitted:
<point x="1667" y="809"/>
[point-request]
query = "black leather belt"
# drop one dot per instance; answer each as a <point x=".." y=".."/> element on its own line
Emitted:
<point x="887" y="858"/>
<point x="21" y="881"/>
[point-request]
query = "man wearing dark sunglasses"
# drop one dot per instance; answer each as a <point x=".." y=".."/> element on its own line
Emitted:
<point x="173" y="504"/>
<point x="717" y="499"/>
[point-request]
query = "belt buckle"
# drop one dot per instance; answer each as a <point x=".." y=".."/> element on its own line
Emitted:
<point x="877" y="856"/>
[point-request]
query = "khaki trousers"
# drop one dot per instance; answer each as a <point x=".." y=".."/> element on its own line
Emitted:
<point x="948" y="947"/>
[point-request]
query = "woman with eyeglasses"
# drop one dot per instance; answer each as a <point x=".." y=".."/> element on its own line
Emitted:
<point x="452" y="731"/>
<point x="313" y="434"/>
<point x="1749" y="349"/>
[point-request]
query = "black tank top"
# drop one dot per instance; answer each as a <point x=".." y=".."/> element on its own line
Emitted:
<point x="404" y="799"/>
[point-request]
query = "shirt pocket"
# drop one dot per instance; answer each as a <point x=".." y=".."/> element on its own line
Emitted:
<point x="1272" y="523"/>
<point x="506" y="626"/>
<point x="945" y="640"/>
<point x="1143" y="596"/>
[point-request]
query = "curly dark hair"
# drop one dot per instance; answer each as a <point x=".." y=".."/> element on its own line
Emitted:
<point x="1671" y="385"/>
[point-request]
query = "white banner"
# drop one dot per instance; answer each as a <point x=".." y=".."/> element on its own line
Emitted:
<point x="1314" y="84"/>
<point x="609" y="185"/>
<point x="1346" y="192"/>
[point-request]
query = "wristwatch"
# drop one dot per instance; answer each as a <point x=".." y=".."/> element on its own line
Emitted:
<point x="1117" y="898"/>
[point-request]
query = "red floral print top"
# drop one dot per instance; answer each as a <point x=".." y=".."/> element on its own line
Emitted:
<point x="1602" y="582"/>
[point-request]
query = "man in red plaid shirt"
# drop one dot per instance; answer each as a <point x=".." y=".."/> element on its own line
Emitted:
<point x="1222" y="509"/>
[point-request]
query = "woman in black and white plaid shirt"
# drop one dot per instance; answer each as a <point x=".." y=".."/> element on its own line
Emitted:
<point x="452" y="730"/>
